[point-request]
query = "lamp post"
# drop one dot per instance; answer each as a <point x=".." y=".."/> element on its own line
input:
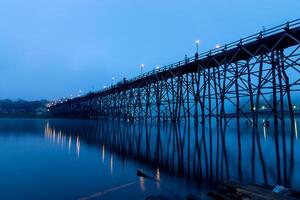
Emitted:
<point x="112" y="80"/>
<point x="142" y="66"/>
<point x="218" y="47"/>
<point x="197" y="45"/>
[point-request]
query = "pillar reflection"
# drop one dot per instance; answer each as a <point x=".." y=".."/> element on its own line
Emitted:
<point x="204" y="152"/>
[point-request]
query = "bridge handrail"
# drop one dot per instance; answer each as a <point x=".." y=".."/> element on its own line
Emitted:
<point x="231" y="45"/>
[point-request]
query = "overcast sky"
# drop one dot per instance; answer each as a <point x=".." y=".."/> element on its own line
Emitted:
<point x="54" y="48"/>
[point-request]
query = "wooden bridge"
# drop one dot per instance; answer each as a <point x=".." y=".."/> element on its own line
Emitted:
<point x="233" y="80"/>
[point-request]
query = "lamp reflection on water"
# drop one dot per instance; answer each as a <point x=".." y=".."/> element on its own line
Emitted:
<point x="77" y="146"/>
<point x="264" y="129"/>
<point x="157" y="177"/>
<point x="296" y="129"/>
<point x="103" y="154"/>
<point x="142" y="183"/>
<point x="70" y="143"/>
<point x="60" y="138"/>
<point x="111" y="164"/>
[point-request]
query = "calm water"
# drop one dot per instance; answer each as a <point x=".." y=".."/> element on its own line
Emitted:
<point x="81" y="159"/>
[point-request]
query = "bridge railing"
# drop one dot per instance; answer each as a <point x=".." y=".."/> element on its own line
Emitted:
<point x="215" y="51"/>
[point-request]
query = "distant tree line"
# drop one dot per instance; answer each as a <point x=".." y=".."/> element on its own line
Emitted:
<point x="20" y="106"/>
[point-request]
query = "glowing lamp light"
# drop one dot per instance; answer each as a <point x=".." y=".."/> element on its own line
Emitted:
<point x="218" y="46"/>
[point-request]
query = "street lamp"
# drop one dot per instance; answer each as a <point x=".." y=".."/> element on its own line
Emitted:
<point x="197" y="45"/>
<point x="157" y="67"/>
<point x="218" y="46"/>
<point x="142" y="66"/>
<point x="112" y="80"/>
<point x="79" y="93"/>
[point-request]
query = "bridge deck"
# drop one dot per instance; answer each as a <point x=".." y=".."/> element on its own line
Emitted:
<point x="287" y="34"/>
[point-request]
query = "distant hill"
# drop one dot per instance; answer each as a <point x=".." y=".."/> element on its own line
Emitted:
<point x="21" y="107"/>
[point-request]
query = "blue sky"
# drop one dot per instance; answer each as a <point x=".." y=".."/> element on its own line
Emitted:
<point x="54" y="48"/>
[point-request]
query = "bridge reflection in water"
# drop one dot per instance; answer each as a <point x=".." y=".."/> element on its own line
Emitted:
<point x="210" y="153"/>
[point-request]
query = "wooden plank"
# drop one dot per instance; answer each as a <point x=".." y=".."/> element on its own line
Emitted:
<point x="237" y="191"/>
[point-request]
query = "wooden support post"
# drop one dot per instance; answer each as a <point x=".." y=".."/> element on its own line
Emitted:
<point x="238" y="120"/>
<point x="275" y="116"/>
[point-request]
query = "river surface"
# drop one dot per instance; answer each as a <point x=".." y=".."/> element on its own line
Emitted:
<point x="89" y="159"/>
